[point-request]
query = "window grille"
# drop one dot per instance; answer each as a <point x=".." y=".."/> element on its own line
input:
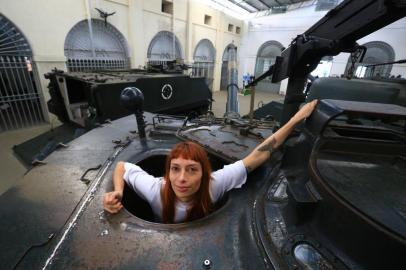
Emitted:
<point x="20" y="103"/>
<point x="266" y="57"/>
<point x="224" y="67"/>
<point x="204" y="58"/>
<point x="98" y="47"/>
<point x="164" y="47"/>
<point x="377" y="52"/>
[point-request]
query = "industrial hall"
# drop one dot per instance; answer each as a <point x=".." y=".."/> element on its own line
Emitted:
<point x="88" y="84"/>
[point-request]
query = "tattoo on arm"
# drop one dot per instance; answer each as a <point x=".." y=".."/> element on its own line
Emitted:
<point x="270" y="146"/>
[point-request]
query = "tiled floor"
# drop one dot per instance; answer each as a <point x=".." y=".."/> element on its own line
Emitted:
<point x="12" y="169"/>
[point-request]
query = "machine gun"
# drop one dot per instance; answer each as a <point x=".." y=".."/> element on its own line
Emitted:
<point x="336" y="32"/>
<point x="171" y="67"/>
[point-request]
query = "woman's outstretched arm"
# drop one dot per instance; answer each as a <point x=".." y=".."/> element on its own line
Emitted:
<point x="263" y="151"/>
<point x="112" y="200"/>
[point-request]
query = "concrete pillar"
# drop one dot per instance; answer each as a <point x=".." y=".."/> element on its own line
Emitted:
<point x="220" y="49"/>
<point x="136" y="33"/>
<point x="189" y="28"/>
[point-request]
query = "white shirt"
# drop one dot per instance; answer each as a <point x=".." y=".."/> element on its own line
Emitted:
<point x="149" y="187"/>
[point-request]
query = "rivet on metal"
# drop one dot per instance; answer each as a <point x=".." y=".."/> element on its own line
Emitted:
<point x="207" y="264"/>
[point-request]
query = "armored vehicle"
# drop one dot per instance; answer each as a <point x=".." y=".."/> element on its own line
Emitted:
<point x="87" y="98"/>
<point x="333" y="197"/>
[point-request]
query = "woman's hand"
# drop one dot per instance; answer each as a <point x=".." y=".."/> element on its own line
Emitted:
<point x="305" y="111"/>
<point x="265" y="149"/>
<point x="112" y="201"/>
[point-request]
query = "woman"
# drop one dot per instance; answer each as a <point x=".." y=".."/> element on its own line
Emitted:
<point x="189" y="189"/>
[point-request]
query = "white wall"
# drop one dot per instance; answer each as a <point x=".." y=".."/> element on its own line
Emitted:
<point x="217" y="33"/>
<point x="47" y="24"/>
<point x="393" y="34"/>
<point x="279" y="27"/>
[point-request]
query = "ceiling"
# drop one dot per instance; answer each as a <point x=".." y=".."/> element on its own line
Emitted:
<point x="260" y="5"/>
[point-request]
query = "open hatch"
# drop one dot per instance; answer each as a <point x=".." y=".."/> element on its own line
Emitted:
<point x="153" y="162"/>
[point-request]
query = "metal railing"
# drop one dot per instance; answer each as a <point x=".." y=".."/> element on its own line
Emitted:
<point x="163" y="63"/>
<point x="20" y="104"/>
<point x="204" y="69"/>
<point x="198" y="69"/>
<point x="89" y="65"/>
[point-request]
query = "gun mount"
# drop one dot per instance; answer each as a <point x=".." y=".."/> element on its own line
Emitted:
<point x="336" y="32"/>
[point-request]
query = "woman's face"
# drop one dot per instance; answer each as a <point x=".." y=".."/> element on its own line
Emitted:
<point x="185" y="176"/>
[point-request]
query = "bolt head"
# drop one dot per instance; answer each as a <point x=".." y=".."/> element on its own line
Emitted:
<point x="207" y="264"/>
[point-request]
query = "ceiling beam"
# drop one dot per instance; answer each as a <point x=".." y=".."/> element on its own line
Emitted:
<point x="265" y="4"/>
<point x="279" y="3"/>
<point x="238" y="3"/>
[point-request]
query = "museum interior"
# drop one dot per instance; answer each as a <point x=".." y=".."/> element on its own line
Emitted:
<point x="202" y="37"/>
<point x="202" y="134"/>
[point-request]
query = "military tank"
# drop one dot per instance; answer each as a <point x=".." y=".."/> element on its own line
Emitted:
<point x="91" y="98"/>
<point x="333" y="197"/>
<point x="316" y="206"/>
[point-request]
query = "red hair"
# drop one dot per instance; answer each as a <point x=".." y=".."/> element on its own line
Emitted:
<point x="201" y="203"/>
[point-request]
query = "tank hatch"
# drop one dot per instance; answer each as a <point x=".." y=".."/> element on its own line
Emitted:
<point x="371" y="181"/>
<point x="357" y="168"/>
<point x="329" y="109"/>
<point x="231" y="140"/>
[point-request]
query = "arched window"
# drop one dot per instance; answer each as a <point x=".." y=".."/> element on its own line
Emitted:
<point x="323" y="68"/>
<point x="377" y="52"/>
<point x="164" y="47"/>
<point x="204" y="58"/>
<point x="20" y="104"/>
<point x="224" y="67"/>
<point x="96" y="46"/>
<point x="266" y="57"/>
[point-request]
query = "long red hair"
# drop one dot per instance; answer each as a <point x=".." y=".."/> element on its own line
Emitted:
<point x="201" y="203"/>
